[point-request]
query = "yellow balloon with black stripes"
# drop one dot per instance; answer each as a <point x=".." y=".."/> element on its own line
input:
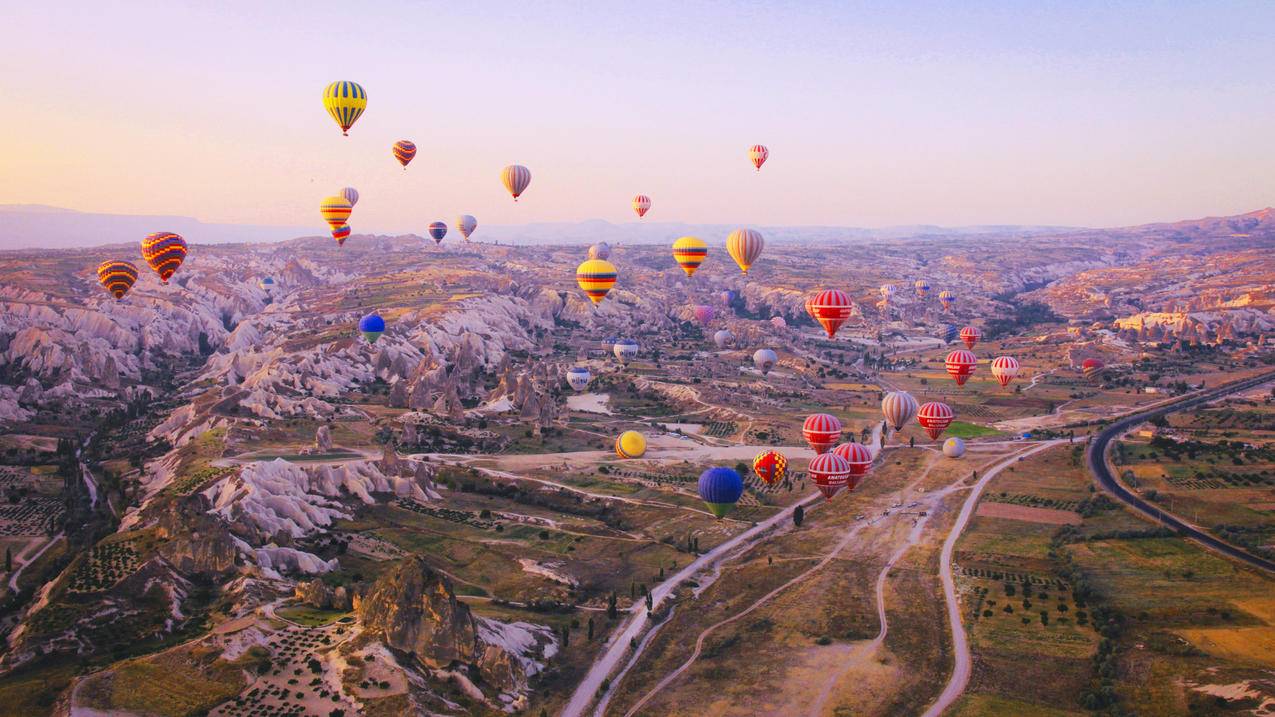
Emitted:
<point x="345" y="101"/>
<point x="630" y="444"/>
<point x="689" y="253"/>
<point x="596" y="277"/>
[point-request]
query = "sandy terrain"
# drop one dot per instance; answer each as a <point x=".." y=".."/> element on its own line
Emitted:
<point x="1050" y="516"/>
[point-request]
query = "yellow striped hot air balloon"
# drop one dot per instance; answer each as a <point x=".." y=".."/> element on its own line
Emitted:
<point x="630" y="444"/>
<point x="745" y="246"/>
<point x="335" y="210"/>
<point x="689" y="253"/>
<point x="596" y="277"/>
<point x="345" y="101"/>
<point x="117" y="277"/>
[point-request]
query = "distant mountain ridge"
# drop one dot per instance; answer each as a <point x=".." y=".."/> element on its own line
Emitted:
<point x="29" y="226"/>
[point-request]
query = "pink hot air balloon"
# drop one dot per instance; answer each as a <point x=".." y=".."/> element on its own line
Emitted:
<point x="704" y="314"/>
<point x="641" y="205"/>
<point x="757" y="154"/>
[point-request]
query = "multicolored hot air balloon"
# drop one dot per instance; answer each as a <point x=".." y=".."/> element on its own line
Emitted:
<point x="515" y="178"/>
<point x="723" y="338"/>
<point x="164" y="252"/>
<point x="898" y="407"/>
<point x="970" y="336"/>
<point x="595" y="278"/>
<point x="466" y="224"/>
<point x="960" y="365"/>
<point x="949" y="334"/>
<point x="578" y="377"/>
<point x="830" y="473"/>
<point x="1004" y="369"/>
<point x="744" y="246"/>
<point x="810" y="306"/>
<point x="778" y="322"/>
<point x="822" y="431"/>
<point x="335" y="210"/>
<point x="765" y="360"/>
<point x="404" y="150"/>
<point x="935" y="417"/>
<point x="831" y="308"/>
<point x="953" y="447"/>
<point x="728" y="297"/>
<point x="345" y="101"/>
<point x="266" y="283"/>
<point x="689" y="253"/>
<point x="770" y="466"/>
<point x="437" y="230"/>
<point x="630" y="444"/>
<point x="117" y="277"/>
<point x="704" y="314"/>
<point x="858" y="457"/>
<point x="601" y="250"/>
<point x="351" y="195"/>
<point x="757" y="154"/>
<point x="1092" y="367"/>
<point x="625" y="350"/>
<point x="340" y="234"/>
<point x="948" y="299"/>
<point x="887" y="292"/>
<point x="922" y="288"/>
<point x="641" y="205"/>
<point x="372" y="326"/>
<point x="720" y="489"/>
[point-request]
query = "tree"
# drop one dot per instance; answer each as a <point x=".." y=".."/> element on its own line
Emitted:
<point x="611" y="611"/>
<point x="798" y="515"/>
<point x="8" y="560"/>
<point x="590" y="629"/>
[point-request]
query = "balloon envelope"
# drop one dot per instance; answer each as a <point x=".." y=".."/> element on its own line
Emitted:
<point x="601" y="250"/>
<point x="595" y="278"/>
<point x="164" y="252"/>
<point x="515" y="177"/>
<point x="630" y="444"/>
<point x="404" y="150"/>
<point x="372" y="326"/>
<point x="898" y="407"/>
<point x="744" y="246"/>
<point x="578" y="378"/>
<point x="117" y="277"/>
<point x="757" y="154"/>
<point x="822" y="431"/>
<point x="641" y="205"/>
<point x="345" y="102"/>
<point x="770" y="466"/>
<point x="953" y="447"/>
<point x="689" y="253"/>
<point x="466" y="224"/>
<point x="437" y="230"/>
<point x="723" y="338"/>
<point x="625" y="350"/>
<point x="765" y="360"/>
<point x="720" y="488"/>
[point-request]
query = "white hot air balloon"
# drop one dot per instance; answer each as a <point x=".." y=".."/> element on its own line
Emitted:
<point x="898" y="407"/>
<point x="723" y="338"/>
<point x="466" y="224"/>
<point x="578" y="377"/>
<point x="601" y="250"/>
<point x="765" y="360"/>
<point x="625" y="350"/>
<point x="953" y="447"/>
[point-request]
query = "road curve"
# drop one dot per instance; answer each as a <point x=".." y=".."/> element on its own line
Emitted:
<point x="1105" y="477"/>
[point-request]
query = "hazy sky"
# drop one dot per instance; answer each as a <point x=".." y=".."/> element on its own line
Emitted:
<point x="1082" y="113"/>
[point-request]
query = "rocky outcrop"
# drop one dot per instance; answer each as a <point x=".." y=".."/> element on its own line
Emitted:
<point x="317" y="593"/>
<point x="413" y="609"/>
<point x="193" y="541"/>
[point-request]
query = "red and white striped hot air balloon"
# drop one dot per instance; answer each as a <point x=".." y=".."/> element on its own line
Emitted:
<point x="822" y="431"/>
<point x="810" y="301"/>
<point x="744" y="246"/>
<point x="935" y="417"/>
<point x="830" y="473"/>
<point x="831" y="307"/>
<point x="1004" y="369"/>
<point x="960" y="364"/>
<point x="757" y="154"/>
<point x="641" y="205"/>
<point x="970" y="335"/>
<point x="1092" y="367"/>
<point x="898" y="407"/>
<point x="859" y="458"/>
<point x="515" y="178"/>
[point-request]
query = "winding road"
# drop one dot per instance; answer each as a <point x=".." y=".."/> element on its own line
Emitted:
<point x="1105" y="477"/>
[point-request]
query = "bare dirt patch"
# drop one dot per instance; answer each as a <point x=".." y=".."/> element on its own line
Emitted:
<point x="1050" y="516"/>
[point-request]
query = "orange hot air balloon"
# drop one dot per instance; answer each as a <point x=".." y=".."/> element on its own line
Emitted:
<point x="117" y="277"/>
<point x="831" y="307"/>
<point x="164" y="252"/>
<point x="960" y="365"/>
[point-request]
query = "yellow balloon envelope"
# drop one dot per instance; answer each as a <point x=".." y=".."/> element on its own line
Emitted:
<point x="689" y="253"/>
<point x="596" y="277"/>
<point x="335" y="210"/>
<point x="630" y="444"/>
<point x="345" y="101"/>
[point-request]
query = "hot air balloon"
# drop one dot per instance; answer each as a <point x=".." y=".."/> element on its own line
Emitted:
<point x="117" y="277"/>
<point x="641" y="205"/>
<point x="830" y="472"/>
<point x="953" y="447"/>
<point x="335" y="210"/>
<point x="164" y="252"/>
<point x="689" y="253"/>
<point x="351" y="195"/>
<point x="1092" y="367"/>
<point x="266" y="283"/>
<point x="720" y="488"/>
<point x="723" y="338"/>
<point x="922" y="288"/>
<point x="778" y="322"/>
<point x="831" y="307"/>
<point x="744" y="246"/>
<point x="821" y="431"/>
<point x="757" y="154"/>
<point x="595" y="278"/>
<point x="345" y="101"/>
<point x="466" y="224"/>
<point x="516" y="178"/>
<point x="630" y="444"/>
<point x="859" y="458"/>
<point x="765" y="360"/>
<point x="898" y="407"/>
<point x="810" y="306"/>
<point x="437" y="230"/>
<point x="949" y="334"/>
<point x="970" y="336"/>
<point x="770" y="466"/>
<point x="601" y="250"/>
<point x="404" y="150"/>
<point x="947" y="299"/>
<point x="704" y="314"/>
<point x="935" y="417"/>
<point x="372" y="326"/>
<point x="1004" y="369"/>
<point x="625" y="350"/>
<point x="578" y="377"/>
<point x="887" y="292"/>
<point x="341" y="233"/>
<point x="960" y="364"/>
<point x="728" y="297"/>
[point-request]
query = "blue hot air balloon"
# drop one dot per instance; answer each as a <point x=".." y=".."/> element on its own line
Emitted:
<point x="950" y="332"/>
<point x="372" y="326"/>
<point x="728" y="297"/>
<point x="720" y="488"/>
